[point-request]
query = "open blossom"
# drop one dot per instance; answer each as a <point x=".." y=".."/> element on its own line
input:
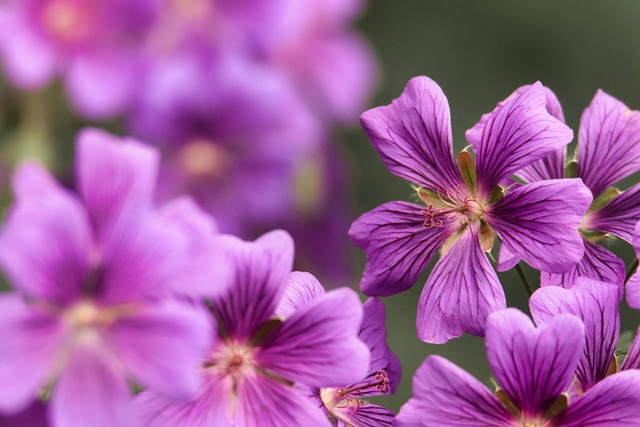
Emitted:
<point x="608" y="150"/>
<point x="345" y="403"/>
<point x="88" y="42"/>
<point x="467" y="204"/>
<point x="596" y="304"/>
<point x="534" y="368"/>
<point x="93" y="274"/>
<point x="250" y="373"/>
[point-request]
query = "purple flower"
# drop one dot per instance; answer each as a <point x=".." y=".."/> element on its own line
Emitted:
<point x="93" y="274"/>
<point x="249" y="373"/>
<point x="534" y="368"/>
<point x="466" y="209"/>
<point x="608" y="151"/>
<point x="345" y="402"/>
<point x="88" y="42"/>
<point x="633" y="285"/>
<point x="596" y="304"/>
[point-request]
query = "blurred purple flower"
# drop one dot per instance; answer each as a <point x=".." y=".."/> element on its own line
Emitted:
<point x="345" y="402"/>
<point x="465" y="209"/>
<point x="93" y="274"/>
<point x="94" y="44"/>
<point x="257" y="358"/>
<point x="534" y="368"/>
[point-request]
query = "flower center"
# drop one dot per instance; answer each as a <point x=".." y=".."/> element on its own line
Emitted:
<point x="204" y="158"/>
<point x="471" y="209"/>
<point x="338" y="399"/>
<point x="66" y="20"/>
<point x="232" y="359"/>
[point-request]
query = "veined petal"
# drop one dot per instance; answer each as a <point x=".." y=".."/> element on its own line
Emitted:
<point x="266" y="403"/>
<point x="613" y="402"/>
<point x="446" y="395"/>
<point x="261" y="269"/>
<point x="533" y="366"/>
<point x="632" y="359"/>
<point x="540" y="220"/>
<point x="462" y="290"/>
<point x="515" y="135"/>
<point x="46" y="241"/>
<point x="303" y="288"/>
<point x="597" y="264"/>
<point x="596" y="304"/>
<point x="29" y="350"/>
<point x="620" y="216"/>
<point x="91" y="392"/>
<point x="319" y="345"/>
<point x="633" y="284"/>
<point x="608" y="142"/>
<point x="397" y="244"/>
<point x="413" y="137"/>
<point x="549" y="167"/>
<point x="364" y="415"/>
<point x="113" y="172"/>
<point x="162" y="346"/>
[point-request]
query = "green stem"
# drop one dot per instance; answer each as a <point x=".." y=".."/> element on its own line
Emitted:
<point x="632" y="268"/>
<point x="524" y="280"/>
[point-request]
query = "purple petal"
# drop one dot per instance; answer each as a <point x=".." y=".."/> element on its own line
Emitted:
<point x="162" y="346"/>
<point x="596" y="304"/>
<point x="413" y="137"/>
<point x="608" y="142"/>
<point x="397" y="245"/>
<point x="261" y="271"/>
<point x="597" y="264"/>
<point x="620" y="216"/>
<point x="34" y="416"/>
<point x="550" y="167"/>
<point x="45" y="243"/>
<point x="613" y="402"/>
<point x="533" y="366"/>
<point x="446" y="395"/>
<point x="540" y="220"/>
<point x="633" y="284"/>
<point x="462" y="290"/>
<point x="266" y="403"/>
<point x="517" y="134"/>
<point x="364" y="415"/>
<point x="29" y="348"/>
<point x="91" y="392"/>
<point x="318" y="345"/>
<point x="113" y="173"/>
<point x="632" y="359"/>
<point x="302" y="288"/>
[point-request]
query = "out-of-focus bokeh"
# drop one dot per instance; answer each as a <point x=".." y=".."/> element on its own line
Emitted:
<point x="478" y="52"/>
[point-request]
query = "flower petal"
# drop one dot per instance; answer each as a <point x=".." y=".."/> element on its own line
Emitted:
<point x="462" y="290"/>
<point x="413" y="137"/>
<point x="620" y="216"/>
<point x="162" y="346"/>
<point x="597" y="264"/>
<point x="34" y="416"/>
<point x="364" y="415"/>
<point x="91" y="392"/>
<point x="632" y="359"/>
<point x="633" y="284"/>
<point x="446" y="395"/>
<point x="28" y="351"/>
<point x="319" y="345"/>
<point x="112" y="173"/>
<point x="517" y="134"/>
<point x="608" y="142"/>
<point x="533" y="366"/>
<point x="261" y="269"/>
<point x="596" y="304"/>
<point x="45" y="243"/>
<point x="303" y="288"/>
<point x="538" y="221"/>
<point x="397" y="245"/>
<point x="613" y="402"/>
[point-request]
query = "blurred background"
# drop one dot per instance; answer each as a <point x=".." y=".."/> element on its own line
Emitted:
<point x="269" y="137"/>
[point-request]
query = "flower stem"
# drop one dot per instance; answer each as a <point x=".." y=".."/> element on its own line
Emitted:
<point x="524" y="280"/>
<point x="632" y="268"/>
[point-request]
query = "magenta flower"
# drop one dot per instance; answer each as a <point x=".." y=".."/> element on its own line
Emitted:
<point x="596" y="304"/>
<point x="534" y="368"/>
<point x="88" y="42"/>
<point x="93" y="275"/>
<point x="608" y="151"/>
<point x="249" y="373"/>
<point x="465" y="209"/>
<point x="346" y="403"/>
